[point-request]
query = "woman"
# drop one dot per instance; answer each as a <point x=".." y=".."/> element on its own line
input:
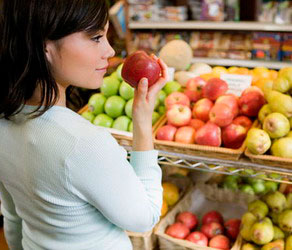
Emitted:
<point x="64" y="183"/>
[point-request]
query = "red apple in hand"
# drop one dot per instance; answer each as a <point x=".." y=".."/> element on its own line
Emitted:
<point x="220" y="242"/>
<point x="176" y="98"/>
<point x="233" y="135"/>
<point x="231" y="101"/>
<point x="187" y="218"/>
<point x="209" y="135"/>
<point x="214" y="88"/>
<point x="177" y="230"/>
<point x="212" y="229"/>
<point x="244" y="121"/>
<point x="212" y="216"/>
<point x="232" y="228"/>
<point x="196" y="124"/>
<point x="139" y="65"/>
<point x="166" y="133"/>
<point x="221" y="115"/>
<point x="185" y="134"/>
<point x="198" y="238"/>
<point x="179" y="115"/>
<point x="202" y="108"/>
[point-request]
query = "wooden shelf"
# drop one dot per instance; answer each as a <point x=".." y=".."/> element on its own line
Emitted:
<point x="207" y="25"/>
<point x="242" y="63"/>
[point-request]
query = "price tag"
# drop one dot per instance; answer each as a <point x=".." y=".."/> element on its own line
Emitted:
<point x="237" y="83"/>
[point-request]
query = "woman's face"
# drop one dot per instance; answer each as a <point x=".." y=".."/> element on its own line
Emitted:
<point x="80" y="59"/>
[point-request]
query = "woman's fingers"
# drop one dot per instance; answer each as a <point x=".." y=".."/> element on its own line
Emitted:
<point x="155" y="88"/>
<point x="142" y="89"/>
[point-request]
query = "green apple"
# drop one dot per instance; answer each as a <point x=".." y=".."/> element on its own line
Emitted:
<point x="114" y="106"/>
<point x="110" y="86"/>
<point x="96" y="103"/>
<point x="230" y="185"/>
<point x="103" y="120"/>
<point x="271" y="186"/>
<point x="171" y="86"/>
<point x="88" y="115"/>
<point x="130" y="128"/>
<point x="115" y="75"/>
<point x="247" y="189"/>
<point x="119" y="71"/>
<point x="161" y="96"/>
<point x="128" y="107"/>
<point x="259" y="187"/>
<point x="122" y="123"/>
<point x="156" y="105"/>
<point x="155" y="117"/>
<point x="161" y="110"/>
<point x="126" y="91"/>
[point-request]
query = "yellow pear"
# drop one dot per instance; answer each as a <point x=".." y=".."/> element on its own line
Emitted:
<point x="247" y="220"/>
<point x="279" y="102"/>
<point x="274" y="245"/>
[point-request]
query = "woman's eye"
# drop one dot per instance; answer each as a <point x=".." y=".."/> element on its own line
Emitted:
<point x="96" y="38"/>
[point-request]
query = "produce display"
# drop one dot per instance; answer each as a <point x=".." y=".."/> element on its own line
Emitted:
<point x="213" y="232"/>
<point x="250" y="185"/>
<point x="206" y="114"/>
<point x="112" y="107"/>
<point x="274" y="134"/>
<point x="268" y="223"/>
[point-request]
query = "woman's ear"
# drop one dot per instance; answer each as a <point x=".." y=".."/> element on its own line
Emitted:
<point x="49" y="50"/>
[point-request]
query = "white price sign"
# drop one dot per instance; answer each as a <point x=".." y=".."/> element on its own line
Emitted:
<point x="237" y="83"/>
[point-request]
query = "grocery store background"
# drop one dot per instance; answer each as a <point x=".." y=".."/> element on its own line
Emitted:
<point x="245" y="34"/>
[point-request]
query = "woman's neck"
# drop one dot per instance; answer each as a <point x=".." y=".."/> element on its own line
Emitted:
<point x="35" y="100"/>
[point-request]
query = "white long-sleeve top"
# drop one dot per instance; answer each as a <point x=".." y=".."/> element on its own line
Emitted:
<point x="67" y="184"/>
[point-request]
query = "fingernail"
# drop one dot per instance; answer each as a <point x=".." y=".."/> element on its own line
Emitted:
<point x="144" y="81"/>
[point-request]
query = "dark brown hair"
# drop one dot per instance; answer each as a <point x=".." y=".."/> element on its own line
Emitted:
<point x="25" y="26"/>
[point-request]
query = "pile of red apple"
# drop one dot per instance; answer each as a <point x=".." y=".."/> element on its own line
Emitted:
<point x="214" y="232"/>
<point x="206" y="114"/>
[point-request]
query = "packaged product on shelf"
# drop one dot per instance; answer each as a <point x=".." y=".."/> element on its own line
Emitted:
<point x="266" y="46"/>
<point x="240" y="41"/>
<point x="287" y="47"/>
<point x="268" y="10"/>
<point x="239" y="54"/>
<point x="204" y="40"/>
<point x="148" y="42"/>
<point x="195" y="7"/>
<point x="284" y="12"/>
<point x="173" y="13"/>
<point x="232" y="10"/>
<point x="143" y="12"/>
<point x="217" y="53"/>
<point x="212" y="10"/>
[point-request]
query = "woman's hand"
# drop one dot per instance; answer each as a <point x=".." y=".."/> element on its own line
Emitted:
<point x="145" y="98"/>
<point x="143" y="107"/>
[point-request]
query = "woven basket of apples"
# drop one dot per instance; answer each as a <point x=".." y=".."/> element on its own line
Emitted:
<point x="175" y="187"/>
<point x="205" y="119"/>
<point x="271" y="143"/>
<point x="199" y="223"/>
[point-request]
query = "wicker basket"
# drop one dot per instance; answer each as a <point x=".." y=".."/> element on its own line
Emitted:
<point x="169" y="243"/>
<point x="122" y="137"/>
<point x="195" y="149"/>
<point x="143" y="241"/>
<point x="148" y="240"/>
<point x="270" y="160"/>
